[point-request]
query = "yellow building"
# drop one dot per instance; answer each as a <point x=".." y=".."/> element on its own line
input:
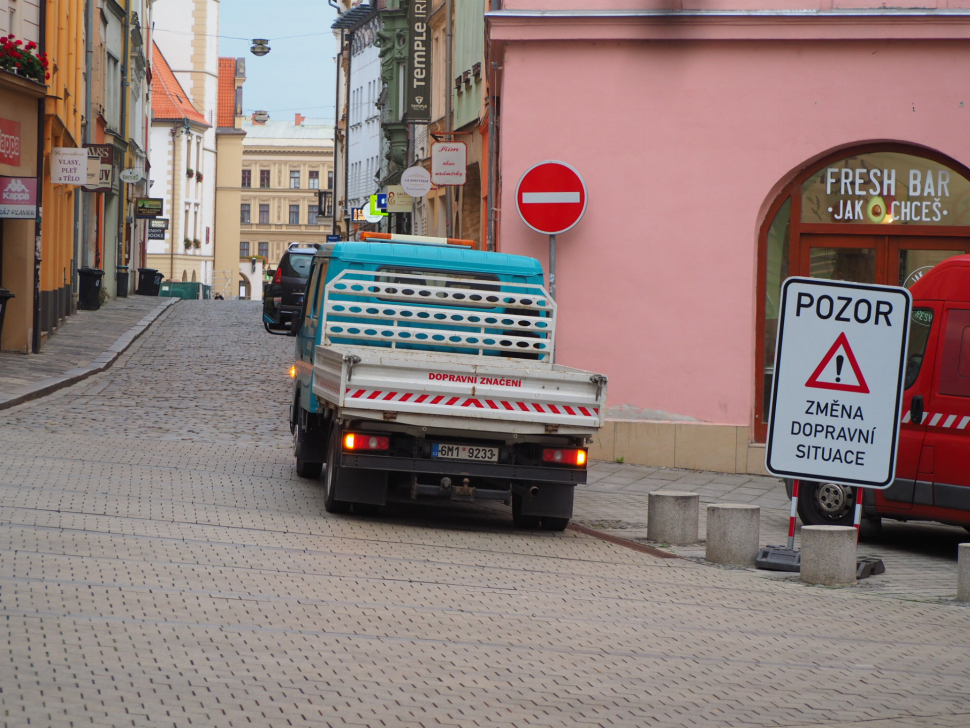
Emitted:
<point x="21" y="101"/>
<point x="285" y="167"/>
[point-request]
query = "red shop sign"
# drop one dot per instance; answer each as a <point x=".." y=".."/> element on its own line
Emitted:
<point x="10" y="142"/>
<point x="18" y="197"/>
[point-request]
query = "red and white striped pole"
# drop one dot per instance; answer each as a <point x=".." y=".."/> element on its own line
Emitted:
<point x="791" y="521"/>
<point x="857" y="519"/>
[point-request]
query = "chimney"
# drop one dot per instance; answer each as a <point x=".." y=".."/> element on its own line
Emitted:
<point x="300" y="119"/>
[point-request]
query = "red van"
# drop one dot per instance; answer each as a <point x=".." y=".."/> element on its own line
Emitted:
<point x="933" y="467"/>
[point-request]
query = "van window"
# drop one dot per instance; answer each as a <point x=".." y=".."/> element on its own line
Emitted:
<point x="296" y="266"/>
<point x="319" y="284"/>
<point x="955" y="367"/>
<point x="919" y="333"/>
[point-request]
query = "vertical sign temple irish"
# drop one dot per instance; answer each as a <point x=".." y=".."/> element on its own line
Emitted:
<point x="418" y="92"/>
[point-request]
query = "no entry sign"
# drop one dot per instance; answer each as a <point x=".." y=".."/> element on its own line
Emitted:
<point x="551" y="197"/>
<point x="838" y="382"/>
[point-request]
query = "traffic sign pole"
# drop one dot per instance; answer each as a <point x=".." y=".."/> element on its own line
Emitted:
<point x="552" y="266"/>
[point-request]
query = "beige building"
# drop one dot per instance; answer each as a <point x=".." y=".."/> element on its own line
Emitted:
<point x="228" y="269"/>
<point x="286" y="165"/>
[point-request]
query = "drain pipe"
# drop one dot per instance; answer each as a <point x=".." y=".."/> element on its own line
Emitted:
<point x="38" y="239"/>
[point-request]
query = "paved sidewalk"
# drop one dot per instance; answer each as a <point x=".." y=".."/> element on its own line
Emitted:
<point x="88" y="342"/>
<point x="920" y="558"/>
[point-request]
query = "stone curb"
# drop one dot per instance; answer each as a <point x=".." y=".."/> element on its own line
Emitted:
<point x="103" y="361"/>
<point x="624" y="542"/>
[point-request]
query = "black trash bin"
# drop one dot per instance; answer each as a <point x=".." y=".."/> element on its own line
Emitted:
<point x="89" y="295"/>
<point x="149" y="282"/>
<point x="5" y="296"/>
<point x="122" y="281"/>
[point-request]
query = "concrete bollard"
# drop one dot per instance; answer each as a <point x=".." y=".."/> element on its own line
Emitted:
<point x="733" y="534"/>
<point x="828" y="555"/>
<point x="963" y="573"/>
<point x="672" y="517"/>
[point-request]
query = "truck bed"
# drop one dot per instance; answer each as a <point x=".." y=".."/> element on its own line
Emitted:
<point x="458" y="391"/>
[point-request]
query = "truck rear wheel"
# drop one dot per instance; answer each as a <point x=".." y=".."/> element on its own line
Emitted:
<point x="554" y="524"/>
<point x="330" y="501"/>
<point x="520" y="520"/>
<point x="304" y="468"/>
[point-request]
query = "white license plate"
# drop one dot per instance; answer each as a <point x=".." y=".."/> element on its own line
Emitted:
<point x="464" y="452"/>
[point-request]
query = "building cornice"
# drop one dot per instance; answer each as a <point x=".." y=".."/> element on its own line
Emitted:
<point x="868" y="24"/>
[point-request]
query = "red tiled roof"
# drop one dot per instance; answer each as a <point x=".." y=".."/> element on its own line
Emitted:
<point x="169" y="101"/>
<point x="226" y="106"/>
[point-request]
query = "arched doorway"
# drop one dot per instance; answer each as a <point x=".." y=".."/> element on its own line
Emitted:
<point x="880" y="213"/>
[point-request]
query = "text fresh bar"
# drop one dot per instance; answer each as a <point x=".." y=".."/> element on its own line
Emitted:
<point x="547" y="197"/>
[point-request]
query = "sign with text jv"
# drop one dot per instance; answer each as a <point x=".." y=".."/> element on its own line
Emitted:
<point x="837" y="393"/>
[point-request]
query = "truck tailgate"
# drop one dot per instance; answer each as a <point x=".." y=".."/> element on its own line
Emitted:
<point x="384" y="380"/>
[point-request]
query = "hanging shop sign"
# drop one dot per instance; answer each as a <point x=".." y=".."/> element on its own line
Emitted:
<point x="148" y="207"/>
<point x="418" y="92"/>
<point x="100" y="176"/>
<point x="10" y="142"/>
<point x="449" y="163"/>
<point x="416" y="181"/>
<point x="18" y="198"/>
<point x="398" y="200"/>
<point x="131" y="176"/>
<point x="157" y="227"/>
<point x="69" y="166"/>
<point x="886" y="188"/>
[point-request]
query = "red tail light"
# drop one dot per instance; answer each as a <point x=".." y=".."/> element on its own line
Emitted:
<point x="564" y="457"/>
<point x="278" y="278"/>
<point x="357" y="441"/>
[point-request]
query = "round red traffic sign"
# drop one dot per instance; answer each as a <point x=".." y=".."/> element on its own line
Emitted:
<point x="551" y="197"/>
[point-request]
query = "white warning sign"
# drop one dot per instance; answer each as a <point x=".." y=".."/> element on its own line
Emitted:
<point x="838" y="382"/>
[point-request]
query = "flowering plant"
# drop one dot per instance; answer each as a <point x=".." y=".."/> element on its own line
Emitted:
<point x="17" y="57"/>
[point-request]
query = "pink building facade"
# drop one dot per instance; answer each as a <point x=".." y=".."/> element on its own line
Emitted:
<point x="726" y="145"/>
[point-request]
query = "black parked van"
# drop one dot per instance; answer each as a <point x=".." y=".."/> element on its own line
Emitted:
<point x="283" y="297"/>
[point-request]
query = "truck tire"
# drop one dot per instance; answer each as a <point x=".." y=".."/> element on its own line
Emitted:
<point x="554" y="524"/>
<point x="304" y="468"/>
<point x="330" y="502"/>
<point x="522" y="521"/>
<point x="825" y="504"/>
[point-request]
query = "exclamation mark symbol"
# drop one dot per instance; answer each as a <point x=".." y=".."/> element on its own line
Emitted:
<point x="838" y="367"/>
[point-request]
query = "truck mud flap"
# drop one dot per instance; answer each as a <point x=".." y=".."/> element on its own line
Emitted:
<point x="361" y="486"/>
<point x="546" y="499"/>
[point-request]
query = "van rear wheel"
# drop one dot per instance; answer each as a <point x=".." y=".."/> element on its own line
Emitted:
<point x="826" y="504"/>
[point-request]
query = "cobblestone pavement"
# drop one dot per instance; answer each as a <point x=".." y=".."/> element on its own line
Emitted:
<point x="161" y="565"/>
<point x="79" y="340"/>
<point x="920" y="558"/>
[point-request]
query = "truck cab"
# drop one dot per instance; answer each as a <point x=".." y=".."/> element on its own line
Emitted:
<point x="933" y="463"/>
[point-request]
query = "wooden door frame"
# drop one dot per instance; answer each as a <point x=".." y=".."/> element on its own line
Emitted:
<point x="792" y="191"/>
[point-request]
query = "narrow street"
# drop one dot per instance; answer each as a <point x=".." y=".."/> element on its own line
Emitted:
<point x="162" y="565"/>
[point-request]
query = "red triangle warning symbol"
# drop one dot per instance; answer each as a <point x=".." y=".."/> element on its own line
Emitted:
<point x="839" y="370"/>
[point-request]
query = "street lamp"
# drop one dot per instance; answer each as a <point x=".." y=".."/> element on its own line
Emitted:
<point x="260" y="46"/>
